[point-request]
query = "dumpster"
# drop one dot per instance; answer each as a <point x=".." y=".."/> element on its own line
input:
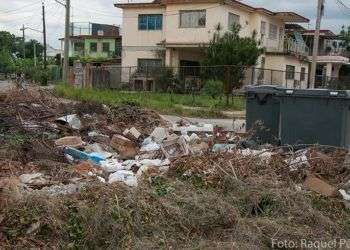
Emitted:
<point x="315" y="117"/>
<point x="263" y="112"/>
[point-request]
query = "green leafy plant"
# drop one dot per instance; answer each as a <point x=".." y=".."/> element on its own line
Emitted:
<point x="213" y="88"/>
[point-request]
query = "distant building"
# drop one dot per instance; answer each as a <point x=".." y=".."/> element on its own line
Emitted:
<point x="173" y="32"/>
<point x="94" y="40"/>
<point x="332" y="56"/>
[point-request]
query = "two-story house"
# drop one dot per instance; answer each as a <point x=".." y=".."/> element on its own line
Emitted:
<point x="173" y="33"/>
<point x="94" y="40"/>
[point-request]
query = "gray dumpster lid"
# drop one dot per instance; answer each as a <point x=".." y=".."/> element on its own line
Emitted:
<point x="263" y="89"/>
<point x="315" y="93"/>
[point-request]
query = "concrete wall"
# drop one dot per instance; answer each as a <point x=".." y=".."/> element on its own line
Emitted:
<point x="99" y="52"/>
<point x="279" y="64"/>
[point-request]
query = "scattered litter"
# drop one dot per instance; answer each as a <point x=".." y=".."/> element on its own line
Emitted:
<point x="149" y="145"/>
<point x="126" y="176"/>
<point x="175" y="148"/>
<point x="72" y="120"/>
<point x="220" y="148"/>
<point x="298" y="159"/>
<point x="159" y="134"/>
<point x="205" y="128"/>
<point x="98" y="137"/>
<point x="80" y="155"/>
<point x="112" y="165"/>
<point x="97" y="148"/>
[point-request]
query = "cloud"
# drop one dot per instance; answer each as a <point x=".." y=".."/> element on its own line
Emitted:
<point x="103" y="11"/>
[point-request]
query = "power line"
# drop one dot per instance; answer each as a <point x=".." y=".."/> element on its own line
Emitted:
<point x="340" y="2"/>
<point x="20" y="8"/>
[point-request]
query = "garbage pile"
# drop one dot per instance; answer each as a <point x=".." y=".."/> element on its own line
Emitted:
<point x="124" y="169"/>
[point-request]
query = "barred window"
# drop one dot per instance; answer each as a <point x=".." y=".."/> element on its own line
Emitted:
<point x="192" y="18"/>
<point x="290" y="72"/>
<point x="273" y="32"/>
<point x="233" y="19"/>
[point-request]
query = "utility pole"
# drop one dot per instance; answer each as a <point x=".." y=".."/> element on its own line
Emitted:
<point x="66" y="42"/>
<point x="24" y="41"/>
<point x="44" y="34"/>
<point x="320" y="9"/>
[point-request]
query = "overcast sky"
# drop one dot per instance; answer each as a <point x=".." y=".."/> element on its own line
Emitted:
<point x="14" y="13"/>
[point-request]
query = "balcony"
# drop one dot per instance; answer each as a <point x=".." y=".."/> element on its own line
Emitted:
<point x="287" y="45"/>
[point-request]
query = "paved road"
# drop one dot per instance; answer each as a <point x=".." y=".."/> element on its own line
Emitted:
<point x="5" y="85"/>
<point x="227" y="124"/>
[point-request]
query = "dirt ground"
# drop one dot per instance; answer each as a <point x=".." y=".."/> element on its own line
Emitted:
<point x="237" y="199"/>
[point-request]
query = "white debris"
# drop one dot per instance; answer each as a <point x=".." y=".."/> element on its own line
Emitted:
<point x="133" y="131"/>
<point x="126" y="176"/>
<point x="297" y="160"/>
<point x="262" y="154"/>
<point x="34" y="179"/>
<point x="72" y="120"/>
<point x="97" y="148"/>
<point x="159" y="134"/>
<point x="206" y="128"/>
<point x="111" y="165"/>
<point x="101" y="179"/>
<point x="149" y="145"/>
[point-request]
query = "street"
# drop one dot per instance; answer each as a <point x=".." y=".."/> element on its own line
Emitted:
<point x="5" y="85"/>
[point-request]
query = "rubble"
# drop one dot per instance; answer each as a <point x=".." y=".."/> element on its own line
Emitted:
<point x="126" y="159"/>
<point x="72" y="120"/>
<point x="125" y="147"/>
<point x="70" y="141"/>
<point x="133" y="132"/>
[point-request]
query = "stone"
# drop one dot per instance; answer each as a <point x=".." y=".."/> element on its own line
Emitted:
<point x="85" y="167"/>
<point x="319" y="186"/>
<point x="33" y="179"/>
<point x="70" y="141"/>
<point x="125" y="147"/>
<point x="133" y="132"/>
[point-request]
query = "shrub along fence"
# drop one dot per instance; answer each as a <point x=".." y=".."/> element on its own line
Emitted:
<point x="186" y="79"/>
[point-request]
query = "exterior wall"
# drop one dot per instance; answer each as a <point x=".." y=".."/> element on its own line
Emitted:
<point x="146" y="41"/>
<point x="279" y="64"/>
<point x="99" y="52"/>
<point x="139" y="43"/>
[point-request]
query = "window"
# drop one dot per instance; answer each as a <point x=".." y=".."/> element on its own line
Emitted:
<point x="105" y="47"/>
<point x="263" y="28"/>
<point x="148" y="65"/>
<point x="79" y="46"/>
<point x="233" y="19"/>
<point x="192" y="18"/>
<point x="302" y="74"/>
<point x="151" y="22"/>
<point x="290" y="72"/>
<point x="273" y="31"/>
<point x="93" y="47"/>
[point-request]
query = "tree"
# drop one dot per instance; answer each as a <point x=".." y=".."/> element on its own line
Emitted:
<point x="229" y="55"/>
<point x="14" y="45"/>
<point x="6" y="63"/>
<point x="345" y="36"/>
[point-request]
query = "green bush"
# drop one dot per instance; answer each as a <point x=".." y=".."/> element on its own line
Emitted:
<point x="213" y="88"/>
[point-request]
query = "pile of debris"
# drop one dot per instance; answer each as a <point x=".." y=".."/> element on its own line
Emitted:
<point x="57" y="148"/>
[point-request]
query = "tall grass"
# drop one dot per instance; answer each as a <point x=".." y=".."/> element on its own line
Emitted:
<point x="165" y="103"/>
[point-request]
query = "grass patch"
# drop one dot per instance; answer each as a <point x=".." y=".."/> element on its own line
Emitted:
<point x="164" y="103"/>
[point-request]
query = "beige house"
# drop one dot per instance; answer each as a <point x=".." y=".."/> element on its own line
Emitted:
<point x="174" y="32"/>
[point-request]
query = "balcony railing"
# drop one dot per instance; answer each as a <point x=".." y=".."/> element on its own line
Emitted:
<point x="287" y="45"/>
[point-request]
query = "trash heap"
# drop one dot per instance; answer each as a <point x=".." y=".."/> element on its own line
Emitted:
<point x="125" y="170"/>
